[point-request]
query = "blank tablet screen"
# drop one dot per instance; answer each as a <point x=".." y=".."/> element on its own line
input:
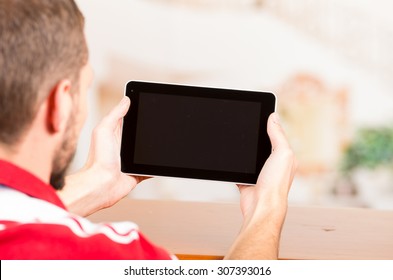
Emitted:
<point x="195" y="132"/>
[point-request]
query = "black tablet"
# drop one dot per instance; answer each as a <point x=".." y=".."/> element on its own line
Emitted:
<point x="196" y="132"/>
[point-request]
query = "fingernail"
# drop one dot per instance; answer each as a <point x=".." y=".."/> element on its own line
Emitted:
<point x="276" y="118"/>
<point x="124" y="101"/>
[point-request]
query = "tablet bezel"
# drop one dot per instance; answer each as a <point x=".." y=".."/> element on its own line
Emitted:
<point x="134" y="88"/>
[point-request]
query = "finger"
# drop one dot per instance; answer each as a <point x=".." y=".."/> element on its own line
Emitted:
<point x="244" y="189"/>
<point x="117" y="113"/>
<point x="240" y="187"/>
<point x="140" y="179"/>
<point x="276" y="133"/>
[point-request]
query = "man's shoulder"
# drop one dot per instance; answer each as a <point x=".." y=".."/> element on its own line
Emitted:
<point x="60" y="241"/>
<point x="39" y="230"/>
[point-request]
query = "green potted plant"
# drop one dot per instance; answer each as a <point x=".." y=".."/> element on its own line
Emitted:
<point x="368" y="163"/>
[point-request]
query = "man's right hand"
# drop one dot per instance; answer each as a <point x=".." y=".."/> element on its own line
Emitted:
<point x="264" y="205"/>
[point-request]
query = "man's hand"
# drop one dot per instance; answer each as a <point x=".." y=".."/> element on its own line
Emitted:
<point x="264" y="205"/>
<point x="100" y="183"/>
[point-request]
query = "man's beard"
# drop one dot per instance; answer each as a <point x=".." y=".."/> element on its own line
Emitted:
<point x="64" y="155"/>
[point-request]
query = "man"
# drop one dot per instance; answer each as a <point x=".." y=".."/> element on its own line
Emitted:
<point x="44" y="77"/>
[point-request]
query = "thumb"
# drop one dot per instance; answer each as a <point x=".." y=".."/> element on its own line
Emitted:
<point x="117" y="113"/>
<point x="276" y="133"/>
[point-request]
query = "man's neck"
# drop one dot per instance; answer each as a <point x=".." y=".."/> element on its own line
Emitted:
<point x="29" y="156"/>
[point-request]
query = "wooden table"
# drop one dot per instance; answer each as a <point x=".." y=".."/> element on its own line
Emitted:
<point x="199" y="230"/>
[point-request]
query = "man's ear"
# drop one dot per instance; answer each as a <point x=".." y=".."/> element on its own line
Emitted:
<point x="59" y="106"/>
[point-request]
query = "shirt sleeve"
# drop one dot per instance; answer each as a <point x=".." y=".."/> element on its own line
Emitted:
<point x="59" y="241"/>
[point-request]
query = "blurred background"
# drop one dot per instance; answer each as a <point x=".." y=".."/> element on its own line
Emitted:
<point x="330" y="63"/>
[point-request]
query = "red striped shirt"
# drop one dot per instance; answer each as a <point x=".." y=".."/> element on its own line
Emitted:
<point x="35" y="224"/>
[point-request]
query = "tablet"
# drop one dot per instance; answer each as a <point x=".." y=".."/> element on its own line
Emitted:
<point x="196" y="132"/>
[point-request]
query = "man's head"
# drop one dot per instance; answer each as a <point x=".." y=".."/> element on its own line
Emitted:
<point x="42" y="51"/>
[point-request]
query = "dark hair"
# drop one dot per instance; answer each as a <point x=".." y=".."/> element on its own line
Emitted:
<point x="41" y="42"/>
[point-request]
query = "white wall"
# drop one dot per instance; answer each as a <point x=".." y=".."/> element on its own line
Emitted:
<point x="244" y="48"/>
